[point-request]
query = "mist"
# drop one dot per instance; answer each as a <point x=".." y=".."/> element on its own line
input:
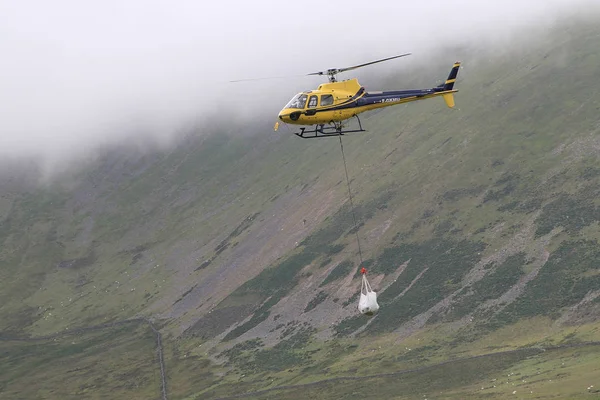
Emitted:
<point x="77" y="76"/>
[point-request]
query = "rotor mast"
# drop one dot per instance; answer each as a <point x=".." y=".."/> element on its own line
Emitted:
<point x="331" y="73"/>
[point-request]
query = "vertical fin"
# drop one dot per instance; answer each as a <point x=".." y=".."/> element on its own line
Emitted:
<point x="449" y="84"/>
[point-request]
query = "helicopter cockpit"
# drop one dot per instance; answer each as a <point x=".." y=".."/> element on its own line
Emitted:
<point x="298" y="101"/>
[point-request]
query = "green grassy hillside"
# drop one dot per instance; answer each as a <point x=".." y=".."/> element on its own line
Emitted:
<point x="479" y="227"/>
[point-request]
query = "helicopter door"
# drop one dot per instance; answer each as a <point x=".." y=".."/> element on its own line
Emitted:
<point x="312" y="104"/>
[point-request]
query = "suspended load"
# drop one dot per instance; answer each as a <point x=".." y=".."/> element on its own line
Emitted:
<point x="367" y="304"/>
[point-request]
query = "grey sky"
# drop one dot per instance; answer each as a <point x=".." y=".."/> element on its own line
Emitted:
<point x="78" y="74"/>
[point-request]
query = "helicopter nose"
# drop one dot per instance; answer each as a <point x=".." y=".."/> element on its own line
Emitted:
<point x="283" y="116"/>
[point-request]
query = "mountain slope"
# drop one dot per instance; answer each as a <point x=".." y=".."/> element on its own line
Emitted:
<point x="474" y="222"/>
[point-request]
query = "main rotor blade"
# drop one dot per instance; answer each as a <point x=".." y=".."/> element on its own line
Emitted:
<point x="372" y="62"/>
<point x="328" y="72"/>
<point x="265" y="78"/>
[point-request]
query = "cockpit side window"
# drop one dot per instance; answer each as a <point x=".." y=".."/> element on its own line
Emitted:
<point x="312" y="102"/>
<point x="299" y="101"/>
<point x="326" y="100"/>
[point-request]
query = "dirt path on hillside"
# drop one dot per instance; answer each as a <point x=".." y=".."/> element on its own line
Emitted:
<point x="76" y="331"/>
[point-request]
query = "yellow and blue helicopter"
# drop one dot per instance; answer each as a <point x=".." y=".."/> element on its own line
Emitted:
<point x="333" y="103"/>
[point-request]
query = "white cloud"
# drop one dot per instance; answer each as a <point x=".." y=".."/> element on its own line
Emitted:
<point x="76" y="75"/>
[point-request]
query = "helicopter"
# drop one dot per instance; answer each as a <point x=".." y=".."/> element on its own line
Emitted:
<point x="332" y="104"/>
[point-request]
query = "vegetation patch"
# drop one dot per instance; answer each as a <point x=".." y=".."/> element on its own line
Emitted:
<point x="453" y="380"/>
<point x="442" y="264"/>
<point x="498" y="194"/>
<point x="508" y="206"/>
<point x="291" y="352"/>
<point x="274" y="283"/>
<point x="218" y="321"/>
<point x="343" y="221"/>
<point x="565" y="279"/>
<point x="590" y="173"/>
<point x="492" y="286"/>
<point x="336" y="248"/>
<point x="239" y="351"/>
<point x="205" y="264"/>
<point x="572" y="213"/>
<point x="325" y="262"/>
<point x="271" y="284"/>
<point x="443" y="228"/>
<point x="77" y="263"/>
<point x="507" y="178"/>
<point x="340" y="271"/>
<point x="350" y="324"/>
<point x="112" y="363"/>
<point x="457" y="194"/>
<point x="318" y="299"/>
<point x="352" y="299"/>
<point x="355" y="228"/>
<point x="245" y="224"/>
<point x="531" y="204"/>
<point x="185" y="294"/>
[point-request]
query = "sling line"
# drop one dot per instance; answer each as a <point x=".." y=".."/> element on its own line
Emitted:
<point x="351" y="203"/>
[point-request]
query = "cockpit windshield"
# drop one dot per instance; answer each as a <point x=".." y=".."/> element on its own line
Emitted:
<point x="299" y="101"/>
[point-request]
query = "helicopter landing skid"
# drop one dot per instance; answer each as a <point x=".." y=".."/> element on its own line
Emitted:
<point x="321" y="130"/>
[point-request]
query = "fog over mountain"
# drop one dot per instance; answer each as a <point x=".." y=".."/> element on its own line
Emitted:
<point x="79" y="75"/>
